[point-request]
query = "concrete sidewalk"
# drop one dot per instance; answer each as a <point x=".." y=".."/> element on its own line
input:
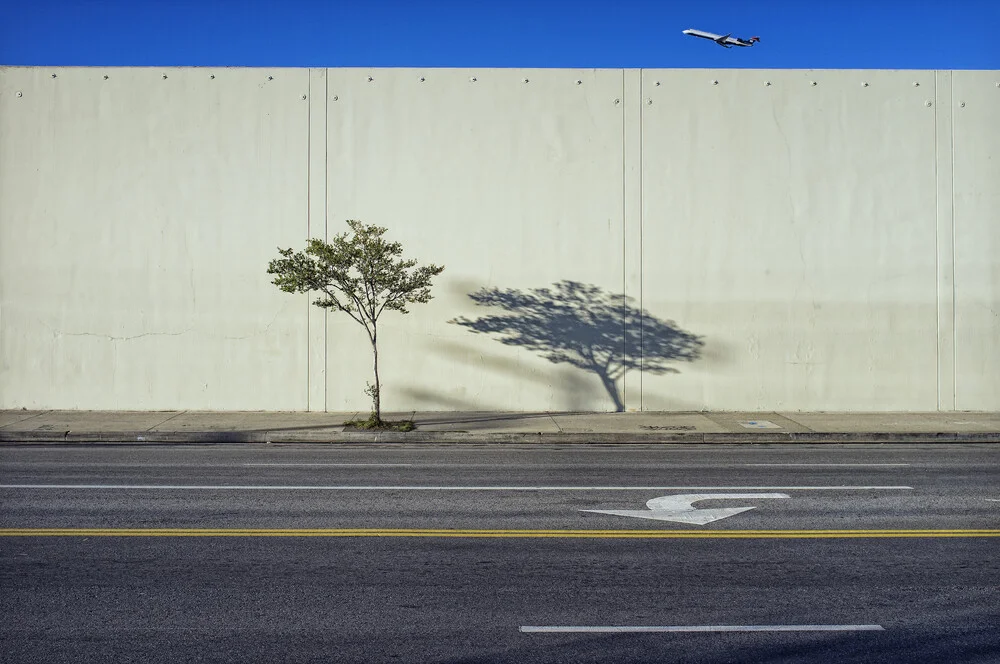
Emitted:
<point x="21" y="426"/>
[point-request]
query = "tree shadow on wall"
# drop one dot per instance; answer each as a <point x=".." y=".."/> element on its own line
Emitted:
<point x="586" y="327"/>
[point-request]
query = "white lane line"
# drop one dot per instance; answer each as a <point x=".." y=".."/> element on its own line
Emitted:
<point x="826" y="465"/>
<point x="619" y="629"/>
<point x="993" y="500"/>
<point x="663" y="466"/>
<point x="245" y="487"/>
<point x="333" y="465"/>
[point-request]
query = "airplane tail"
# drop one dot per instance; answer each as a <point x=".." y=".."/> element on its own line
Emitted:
<point x="754" y="39"/>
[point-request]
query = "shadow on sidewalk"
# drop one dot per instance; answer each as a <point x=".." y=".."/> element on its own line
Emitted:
<point x="430" y="418"/>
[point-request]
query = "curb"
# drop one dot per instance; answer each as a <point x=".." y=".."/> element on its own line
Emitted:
<point x="494" y="438"/>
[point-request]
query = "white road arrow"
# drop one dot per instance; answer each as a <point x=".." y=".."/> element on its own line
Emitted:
<point x="682" y="510"/>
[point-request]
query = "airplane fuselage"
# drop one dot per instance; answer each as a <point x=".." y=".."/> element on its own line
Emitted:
<point x="725" y="41"/>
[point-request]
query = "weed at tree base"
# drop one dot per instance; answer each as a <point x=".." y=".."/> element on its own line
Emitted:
<point x="374" y="424"/>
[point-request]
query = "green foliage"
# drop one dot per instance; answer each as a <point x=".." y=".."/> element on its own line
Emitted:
<point x="372" y="391"/>
<point x="360" y="273"/>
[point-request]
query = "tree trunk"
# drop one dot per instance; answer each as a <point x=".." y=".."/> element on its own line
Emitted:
<point x="376" y="395"/>
<point x="612" y="389"/>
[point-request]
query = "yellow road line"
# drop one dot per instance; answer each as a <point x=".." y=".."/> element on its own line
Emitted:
<point x="496" y="534"/>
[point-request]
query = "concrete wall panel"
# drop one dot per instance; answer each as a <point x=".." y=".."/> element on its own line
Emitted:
<point x="789" y="216"/>
<point x="138" y="213"/>
<point x="975" y="103"/>
<point x="512" y="179"/>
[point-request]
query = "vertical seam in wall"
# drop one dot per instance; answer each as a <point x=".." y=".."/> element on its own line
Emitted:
<point x="308" y="231"/>
<point x="954" y="290"/>
<point x="642" y="205"/>
<point x="326" y="229"/>
<point x="625" y="330"/>
<point x="937" y="248"/>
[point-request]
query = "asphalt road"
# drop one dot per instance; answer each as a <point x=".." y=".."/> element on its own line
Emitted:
<point x="495" y="554"/>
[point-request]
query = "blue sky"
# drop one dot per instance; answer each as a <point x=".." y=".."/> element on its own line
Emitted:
<point x="882" y="34"/>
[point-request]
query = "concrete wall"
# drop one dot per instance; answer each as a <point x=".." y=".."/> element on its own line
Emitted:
<point x="655" y="239"/>
<point x="795" y="225"/>
<point x="135" y="215"/>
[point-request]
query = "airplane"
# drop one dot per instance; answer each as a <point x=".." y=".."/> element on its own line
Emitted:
<point x="725" y="41"/>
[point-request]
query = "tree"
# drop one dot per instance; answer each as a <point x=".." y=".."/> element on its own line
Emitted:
<point x="361" y="274"/>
